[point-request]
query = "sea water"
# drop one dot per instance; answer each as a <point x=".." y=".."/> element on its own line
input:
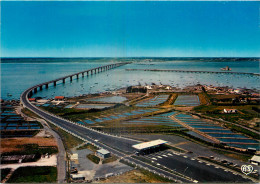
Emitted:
<point x="18" y="76"/>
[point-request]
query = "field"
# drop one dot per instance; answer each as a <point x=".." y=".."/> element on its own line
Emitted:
<point x="18" y="144"/>
<point x="34" y="175"/>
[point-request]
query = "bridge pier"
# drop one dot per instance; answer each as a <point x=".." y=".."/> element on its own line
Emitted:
<point x="40" y="87"/>
<point x="30" y="94"/>
<point x="35" y="90"/>
<point x="83" y="74"/>
<point x="95" y="71"/>
<point x="46" y="86"/>
<point x="77" y="76"/>
<point x="70" y="78"/>
<point x="91" y="72"/>
<point x="54" y="83"/>
<point x="87" y="72"/>
<point x="63" y="80"/>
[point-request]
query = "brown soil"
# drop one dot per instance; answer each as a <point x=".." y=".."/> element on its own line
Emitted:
<point x="14" y="144"/>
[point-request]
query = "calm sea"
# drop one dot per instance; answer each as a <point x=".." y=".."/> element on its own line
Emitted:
<point x="18" y="76"/>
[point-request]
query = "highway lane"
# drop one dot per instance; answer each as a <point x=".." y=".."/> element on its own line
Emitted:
<point x="194" y="169"/>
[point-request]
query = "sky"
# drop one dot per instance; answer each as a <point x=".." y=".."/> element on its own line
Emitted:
<point x="130" y="29"/>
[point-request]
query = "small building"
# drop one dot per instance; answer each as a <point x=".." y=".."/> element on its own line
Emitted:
<point x="230" y="111"/>
<point x="255" y="160"/>
<point x="77" y="176"/>
<point x="32" y="99"/>
<point x="74" y="157"/>
<point x="147" y="147"/>
<point x="59" y="98"/>
<point x="102" y="153"/>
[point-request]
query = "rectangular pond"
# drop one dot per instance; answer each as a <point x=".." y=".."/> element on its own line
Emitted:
<point x="93" y="106"/>
<point x="246" y="146"/>
<point x="199" y="136"/>
<point x="111" y="99"/>
<point x="34" y="127"/>
<point x="188" y="100"/>
<point x="215" y="130"/>
<point x="228" y="135"/>
<point x="237" y="140"/>
<point x="209" y="126"/>
<point x="89" y="121"/>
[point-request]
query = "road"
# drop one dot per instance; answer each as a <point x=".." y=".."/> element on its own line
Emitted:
<point x="122" y="147"/>
<point x="193" y="168"/>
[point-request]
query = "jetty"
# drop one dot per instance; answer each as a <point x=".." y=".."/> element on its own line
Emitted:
<point x="192" y="71"/>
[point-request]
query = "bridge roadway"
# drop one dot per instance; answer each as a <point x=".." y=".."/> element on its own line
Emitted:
<point x="121" y="147"/>
<point x="191" y="71"/>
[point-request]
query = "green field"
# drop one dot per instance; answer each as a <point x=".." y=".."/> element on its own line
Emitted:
<point x="41" y="174"/>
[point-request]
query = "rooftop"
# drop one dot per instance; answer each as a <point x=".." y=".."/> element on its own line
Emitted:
<point x="103" y="151"/>
<point x="149" y="144"/>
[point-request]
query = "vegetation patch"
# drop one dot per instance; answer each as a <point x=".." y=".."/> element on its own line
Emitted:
<point x="93" y="158"/>
<point x="34" y="175"/>
<point x="88" y="146"/>
<point x="112" y="158"/>
<point x="69" y="140"/>
<point x="29" y="113"/>
<point x="4" y="173"/>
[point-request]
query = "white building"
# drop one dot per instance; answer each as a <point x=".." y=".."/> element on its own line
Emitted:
<point x="255" y="160"/>
<point x="102" y="153"/>
<point x="230" y="111"/>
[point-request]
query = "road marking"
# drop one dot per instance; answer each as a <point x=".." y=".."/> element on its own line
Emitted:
<point x="159" y="157"/>
<point x="165" y="155"/>
<point x="154" y="158"/>
<point x="169" y="154"/>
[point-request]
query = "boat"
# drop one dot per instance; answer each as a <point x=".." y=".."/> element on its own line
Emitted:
<point x="226" y="68"/>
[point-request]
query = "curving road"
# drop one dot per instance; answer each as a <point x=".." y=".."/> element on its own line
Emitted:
<point x="122" y="147"/>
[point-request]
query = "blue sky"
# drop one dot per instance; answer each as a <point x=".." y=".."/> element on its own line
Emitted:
<point x="128" y="29"/>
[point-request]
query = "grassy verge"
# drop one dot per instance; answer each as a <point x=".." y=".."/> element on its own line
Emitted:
<point x="34" y="175"/>
<point x="69" y="141"/>
<point x="29" y="113"/>
<point x="93" y="158"/>
<point x="241" y="157"/>
<point x="88" y="146"/>
<point x="149" y="177"/>
<point x="110" y="159"/>
<point x="4" y="173"/>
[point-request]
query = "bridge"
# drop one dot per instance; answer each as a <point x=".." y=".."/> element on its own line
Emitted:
<point x="92" y="71"/>
<point x="193" y="71"/>
<point x="120" y="146"/>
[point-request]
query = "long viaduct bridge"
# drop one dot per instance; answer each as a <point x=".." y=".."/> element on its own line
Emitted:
<point x="121" y="146"/>
<point x="92" y="71"/>
<point x="191" y="71"/>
